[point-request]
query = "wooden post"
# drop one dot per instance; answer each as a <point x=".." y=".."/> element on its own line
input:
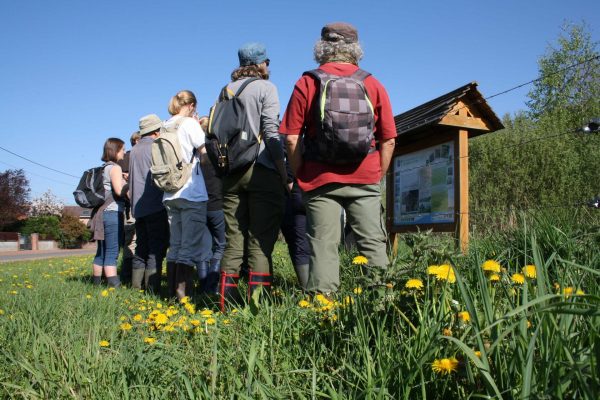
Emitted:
<point x="462" y="220"/>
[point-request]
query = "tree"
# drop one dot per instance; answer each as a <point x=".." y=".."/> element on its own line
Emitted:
<point x="46" y="204"/>
<point x="569" y="76"/>
<point x="14" y="194"/>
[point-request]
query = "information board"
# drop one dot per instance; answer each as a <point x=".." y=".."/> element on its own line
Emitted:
<point x="424" y="186"/>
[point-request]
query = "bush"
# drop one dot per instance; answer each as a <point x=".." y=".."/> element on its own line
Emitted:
<point x="72" y="232"/>
<point x="47" y="226"/>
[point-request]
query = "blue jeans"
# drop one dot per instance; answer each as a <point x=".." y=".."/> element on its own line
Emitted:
<point x="216" y="226"/>
<point x="108" y="249"/>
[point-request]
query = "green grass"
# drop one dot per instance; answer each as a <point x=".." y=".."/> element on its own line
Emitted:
<point x="535" y="342"/>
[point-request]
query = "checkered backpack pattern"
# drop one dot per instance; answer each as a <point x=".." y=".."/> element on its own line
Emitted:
<point x="345" y="129"/>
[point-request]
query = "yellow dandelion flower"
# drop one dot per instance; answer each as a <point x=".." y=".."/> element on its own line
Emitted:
<point x="112" y="289"/>
<point x="13" y="292"/>
<point x="491" y="266"/>
<point x="357" y="290"/>
<point x="184" y="300"/>
<point x="322" y="299"/>
<point x="142" y="308"/>
<point x="171" y="312"/>
<point x="494" y="278"/>
<point x="303" y="304"/>
<point x="149" y="340"/>
<point x="447" y="332"/>
<point x="528" y="324"/>
<point x="579" y="292"/>
<point x="195" y="322"/>
<point x="530" y="271"/>
<point x="190" y="308"/>
<point x="88" y="296"/>
<point x="568" y="291"/>
<point x="28" y="286"/>
<point x="137" y="317"/>
<point x="122" y="318"/>
<point x="104" y="343"/>
<point x="446" y="272"/>
<point x="211" y="321"/>
<point x="226" y="322"/>
<point x="416" y="284"/>
<point x="360" y="260"/>
<point x="104" y="293"/>
<point x="518" y="279"/>
<point x="161" y="319"/>
<point x="1" y="311"/>
<point x="206" y="313"/>
<point x="432" y="269"/>
<point x="158" y="305"/>
<point x="445" y="366"/>
<point x="478" y="353"/>
<point x="348" y="300"/>
<point x="169" y="328"/>
<point x="125" y="326"/>
<point x="464" y="316"/>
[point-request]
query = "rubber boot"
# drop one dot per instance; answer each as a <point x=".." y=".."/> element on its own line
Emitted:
<point x="302" y="274"/>
<point x="212" y="279"/>
<point x="137" y="277"/>
<point x="152" y="280"/>
<point x="126" y="267"/>
<point x="228" y="290"/>
<point x="202" y="274"/>
<point x="258" y="280"/>
<point x="171" y="267"/>
<point x="184" y="280"/>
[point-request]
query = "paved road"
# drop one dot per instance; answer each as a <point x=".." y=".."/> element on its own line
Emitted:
<point x="41" y="254"/>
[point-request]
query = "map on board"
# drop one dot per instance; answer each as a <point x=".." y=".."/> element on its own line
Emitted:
<point x="424" y="186"/>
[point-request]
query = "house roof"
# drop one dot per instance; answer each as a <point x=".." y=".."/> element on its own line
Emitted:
<point x="77" y="211"/>
<point x="432" y="112"/>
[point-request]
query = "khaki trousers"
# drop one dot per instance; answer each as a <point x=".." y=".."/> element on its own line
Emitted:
<point x="364" y="213"/>
<point x="253" y="204"/>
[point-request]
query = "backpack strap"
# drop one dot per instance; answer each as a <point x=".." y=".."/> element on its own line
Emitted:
<point x="226" y="93"/>
<point x="360" y="75"/>
<point x="246" y="83"/>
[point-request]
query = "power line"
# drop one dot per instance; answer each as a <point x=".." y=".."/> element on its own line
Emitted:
<point x="36" y="163"/>
<point x="34" y="174"/>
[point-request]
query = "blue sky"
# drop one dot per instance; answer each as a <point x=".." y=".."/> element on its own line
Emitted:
<point x="74" y="73"/>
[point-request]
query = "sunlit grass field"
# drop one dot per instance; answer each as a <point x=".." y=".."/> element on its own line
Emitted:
<point x="517" y="317"/>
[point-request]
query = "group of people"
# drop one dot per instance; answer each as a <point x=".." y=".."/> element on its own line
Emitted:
<point x="214" y="225"/>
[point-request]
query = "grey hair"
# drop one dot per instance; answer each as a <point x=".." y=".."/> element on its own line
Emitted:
<point x="339" y="51"/>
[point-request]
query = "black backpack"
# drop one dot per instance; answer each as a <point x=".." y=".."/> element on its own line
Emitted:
<point x="90" y="191"/>
<point x="231" y="146"/>
<point x="345" y="119"/>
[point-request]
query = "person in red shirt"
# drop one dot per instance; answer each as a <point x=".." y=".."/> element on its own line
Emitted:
<point x="328" y="187"/>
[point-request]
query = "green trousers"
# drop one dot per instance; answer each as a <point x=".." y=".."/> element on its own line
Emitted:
<point x="253" y="204"/>
<point x="362" y="204"/>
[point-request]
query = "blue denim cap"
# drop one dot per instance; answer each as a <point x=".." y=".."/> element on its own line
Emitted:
<point x="252" y="54"/>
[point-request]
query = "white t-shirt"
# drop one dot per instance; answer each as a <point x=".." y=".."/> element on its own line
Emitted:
<point x="191" y="136"/>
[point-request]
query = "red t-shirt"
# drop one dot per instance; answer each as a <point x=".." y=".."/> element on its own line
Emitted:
<point x="299" y="118"/>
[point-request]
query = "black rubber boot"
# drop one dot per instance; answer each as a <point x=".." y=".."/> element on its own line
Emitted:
<point x="137" y="278"/>
<point x="202" y="274"/>
<point x="184" y="280"/>
<point x="212" y="279"/>
<point x="171" y="267"/>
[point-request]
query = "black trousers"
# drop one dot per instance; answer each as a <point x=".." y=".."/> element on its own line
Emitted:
<point x="152" y="241"/>
<point x="293" y="228"/>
